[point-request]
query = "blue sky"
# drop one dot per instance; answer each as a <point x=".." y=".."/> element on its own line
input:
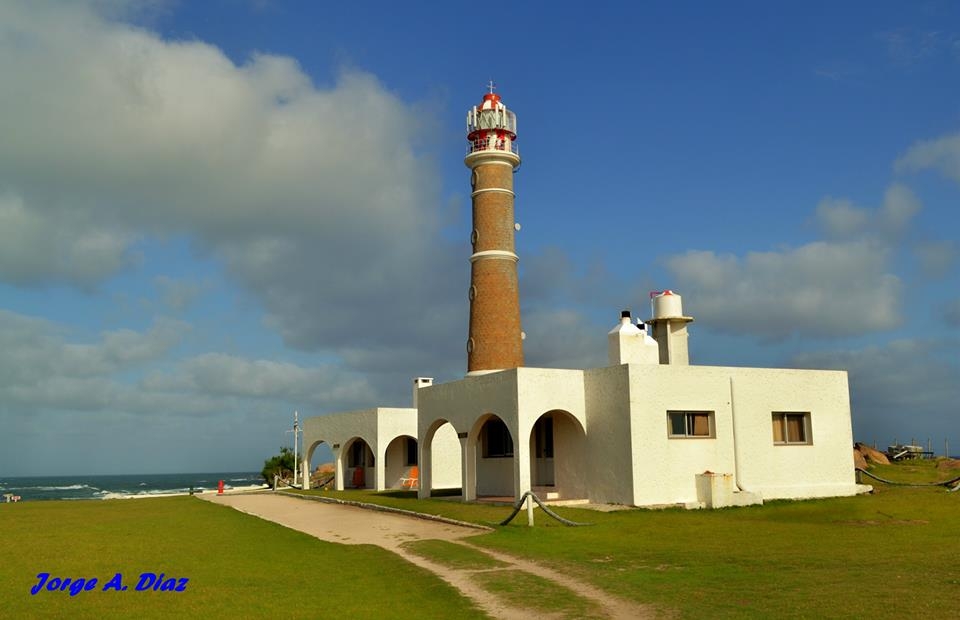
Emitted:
<point x="214" y="213"/>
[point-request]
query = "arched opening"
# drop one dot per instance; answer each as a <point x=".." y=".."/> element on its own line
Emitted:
<point x="357" y="464"/>
<point x="400" y="463"/>
<point x="320" y="465"/>
<point x="494" y="456"/>
<point x="558" y="448"/>
<point x="440" y="459"/>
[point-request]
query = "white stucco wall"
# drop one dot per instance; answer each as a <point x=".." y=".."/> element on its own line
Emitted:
<point x="446" y="458"/>
<point x="609" y="456"/>
<point x="664" y="468"/>
<point x="627" y="455"/>
<point x="518" y="397"/>
<point x="542" y="390"/>
<point x="570" y="458"/>
<point x="821" y="469"/>
<point x="463" y="403"/>
<point x="395" y="462"/>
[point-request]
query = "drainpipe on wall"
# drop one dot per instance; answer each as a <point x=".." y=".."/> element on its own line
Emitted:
<point x="736" y="443"/>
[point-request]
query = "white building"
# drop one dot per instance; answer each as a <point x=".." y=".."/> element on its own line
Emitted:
<point x="637" y="432"/>
<point x="649" y="429"/>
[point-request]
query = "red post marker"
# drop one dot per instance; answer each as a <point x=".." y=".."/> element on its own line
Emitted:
<point x="220" y="488"/>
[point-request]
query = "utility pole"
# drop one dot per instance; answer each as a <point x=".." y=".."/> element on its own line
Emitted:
<point x="296" y="442"/>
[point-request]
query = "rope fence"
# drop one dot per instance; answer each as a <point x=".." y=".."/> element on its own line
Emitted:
<point x="519" y="505"/>
<point x="945" y="483"/>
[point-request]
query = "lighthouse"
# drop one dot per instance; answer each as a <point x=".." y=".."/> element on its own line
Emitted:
<point x="494" y="341"/>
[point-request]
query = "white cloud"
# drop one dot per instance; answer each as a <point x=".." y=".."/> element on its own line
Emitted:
<point x="936" y="257"/>
<point x="178" y="294"/>
<point x="940" y="154"/>
<point x="845" y="285"/>
<point x="899" y="207"/>
<point x="129" y="372"/>
<point x="35" y="348"/>
<point x="219" y="374"/>
<point x="39" y="247"/>
<point x="842" y="219"/>
<point x="317" y="199"/>
<point x="563" y="338"/>
<point x="901" y="389"/>
<point x="39" y="367"/>
<point x="819" y="289"/>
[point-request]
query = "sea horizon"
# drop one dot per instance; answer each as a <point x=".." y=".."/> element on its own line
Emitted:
<point x="123" y="486"/>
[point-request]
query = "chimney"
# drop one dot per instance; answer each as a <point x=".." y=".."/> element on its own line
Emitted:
<point x="420" y="382"/>
<point x="628" y="344"/>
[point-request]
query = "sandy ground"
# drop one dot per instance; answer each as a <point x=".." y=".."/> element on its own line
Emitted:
<point x="351" y="525"/>
<point x="347" y="525"/>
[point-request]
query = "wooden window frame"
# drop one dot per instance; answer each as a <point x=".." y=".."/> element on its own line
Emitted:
<point x="781" y="419"/>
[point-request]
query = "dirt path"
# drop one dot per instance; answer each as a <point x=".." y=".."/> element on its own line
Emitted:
<point x="350" y="525"/>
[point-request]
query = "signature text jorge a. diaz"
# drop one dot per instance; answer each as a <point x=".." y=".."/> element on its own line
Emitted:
<point x="75" y="585"/>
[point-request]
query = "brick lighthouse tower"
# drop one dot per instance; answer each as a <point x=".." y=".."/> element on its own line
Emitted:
<point x="495" y="340"/>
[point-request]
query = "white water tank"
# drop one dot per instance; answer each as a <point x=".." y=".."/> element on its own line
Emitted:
<point x="667" y="305"/>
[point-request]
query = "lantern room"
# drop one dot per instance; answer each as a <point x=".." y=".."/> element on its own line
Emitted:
<point x="491" y="126"/>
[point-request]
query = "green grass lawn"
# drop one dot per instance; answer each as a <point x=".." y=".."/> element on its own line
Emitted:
<point x="238" y="565"/>
<point x="453" y="555"/>
<point x="898" y="549"/>
<point x="520" y="589"/>
<point x="894" y="551"/>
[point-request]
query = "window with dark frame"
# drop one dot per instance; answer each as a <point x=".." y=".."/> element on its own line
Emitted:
<point x="543" y="437"/>
<point x="356" y="454"/>
<point x="411" y="451"/>
<point x="791" y="427"/>
<point x="690" y="424"/>
<point x="360" y="455"/>
<point x="495" y="440"/>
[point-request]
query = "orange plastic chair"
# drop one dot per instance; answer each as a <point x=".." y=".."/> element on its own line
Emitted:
<point x="412" y="480"/>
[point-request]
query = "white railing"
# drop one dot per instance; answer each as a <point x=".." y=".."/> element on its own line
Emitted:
<point x="491" y="143"/>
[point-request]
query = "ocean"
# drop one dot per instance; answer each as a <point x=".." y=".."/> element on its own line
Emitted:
<point x="123" y="486"/>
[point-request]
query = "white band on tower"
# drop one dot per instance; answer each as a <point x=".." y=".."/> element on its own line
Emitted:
<point x="502" y="190"/>
<point x="495" y="254"/>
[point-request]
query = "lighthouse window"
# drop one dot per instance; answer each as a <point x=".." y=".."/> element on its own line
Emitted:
<point x="495" y="440"/>
<point x="690" y="424"/>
